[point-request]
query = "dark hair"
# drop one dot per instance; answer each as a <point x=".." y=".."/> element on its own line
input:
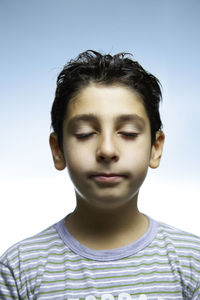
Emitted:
<point x="93" y="67"/>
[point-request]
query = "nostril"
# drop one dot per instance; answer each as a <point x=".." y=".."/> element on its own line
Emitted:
<point x="107" y="157"/>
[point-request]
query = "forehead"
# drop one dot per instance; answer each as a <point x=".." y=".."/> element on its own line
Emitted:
<point x="106" y="103"/>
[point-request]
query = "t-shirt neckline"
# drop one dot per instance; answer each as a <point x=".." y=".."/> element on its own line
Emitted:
<point x="111" y="254"/>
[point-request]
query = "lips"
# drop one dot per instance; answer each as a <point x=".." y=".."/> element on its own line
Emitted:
<point x="107" y="174"/>
<point x="107" y="177"/>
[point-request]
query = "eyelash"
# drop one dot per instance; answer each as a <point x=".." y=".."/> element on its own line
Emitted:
<point x="127" y="135"/>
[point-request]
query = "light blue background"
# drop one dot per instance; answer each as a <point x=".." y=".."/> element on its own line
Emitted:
<point x="37" y="38"/>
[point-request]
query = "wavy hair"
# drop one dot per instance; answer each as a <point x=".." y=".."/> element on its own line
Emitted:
<point x="94" y="67"/>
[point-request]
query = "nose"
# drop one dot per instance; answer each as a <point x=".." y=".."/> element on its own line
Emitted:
<point x="107" y="150"/>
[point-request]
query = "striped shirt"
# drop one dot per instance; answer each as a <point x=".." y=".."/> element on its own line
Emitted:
<point x="163" y="264"/>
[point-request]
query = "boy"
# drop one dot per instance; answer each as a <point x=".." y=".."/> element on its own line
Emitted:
<point x="107" y="132"/>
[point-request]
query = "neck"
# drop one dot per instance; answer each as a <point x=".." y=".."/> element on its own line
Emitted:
<point x="106" y="229"/>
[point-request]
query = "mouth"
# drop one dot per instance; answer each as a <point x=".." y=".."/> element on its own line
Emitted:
<point x="108" y="177"/>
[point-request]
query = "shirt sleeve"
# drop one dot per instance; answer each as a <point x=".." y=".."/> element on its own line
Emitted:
<point x="8" y="287"/>
<point x="196" y="294"/>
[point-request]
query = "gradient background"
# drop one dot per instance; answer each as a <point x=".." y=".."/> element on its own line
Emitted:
<point x="37" y="39"/>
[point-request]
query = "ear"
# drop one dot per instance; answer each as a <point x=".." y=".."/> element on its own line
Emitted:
<point x="58" y="157"/>
<point x="156" y="150"/>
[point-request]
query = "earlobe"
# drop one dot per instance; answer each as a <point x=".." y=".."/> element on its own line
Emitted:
<point x="58" y="158"/>
<point x="156" y="150"/>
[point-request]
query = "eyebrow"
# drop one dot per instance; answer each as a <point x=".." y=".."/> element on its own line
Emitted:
<point x="92" y="118"/>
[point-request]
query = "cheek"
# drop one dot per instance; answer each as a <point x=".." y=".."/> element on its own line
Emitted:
<point x="137" y="158"/>
<point x="78" y="159"/>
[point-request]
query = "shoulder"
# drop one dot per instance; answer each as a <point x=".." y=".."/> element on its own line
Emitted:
<point x="177" y="236"/>
<point x="182" y="251"/>
<point x="183" y="248"/>
<point x="32" y="247"/>
<point x="24" y="263"/>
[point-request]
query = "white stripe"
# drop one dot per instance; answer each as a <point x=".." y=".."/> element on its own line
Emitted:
<point x="129" y="290"/>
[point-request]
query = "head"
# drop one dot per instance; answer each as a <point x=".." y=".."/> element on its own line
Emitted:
<point x="93" y="67"/>
<point x="106" y="119"/>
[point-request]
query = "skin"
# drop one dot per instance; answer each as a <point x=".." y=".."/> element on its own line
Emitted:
<point x="106" y="215"/>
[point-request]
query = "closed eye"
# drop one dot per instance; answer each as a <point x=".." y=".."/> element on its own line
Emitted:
<point x="129" y="134"/>
<point x="125" y="134"/>
<point x="83" y="135"/>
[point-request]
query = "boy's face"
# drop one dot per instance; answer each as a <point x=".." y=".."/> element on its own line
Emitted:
<point x="106" y="130"/>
